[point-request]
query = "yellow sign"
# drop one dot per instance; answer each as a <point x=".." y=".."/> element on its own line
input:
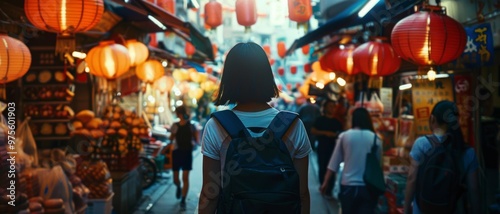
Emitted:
<point x="425" y="94"/>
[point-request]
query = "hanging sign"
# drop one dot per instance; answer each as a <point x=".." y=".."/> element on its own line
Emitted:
<point x="425" y="94"/>
<point x="465" y="104"/>
<point x="479" y="49"/>
<point x="386" y="99"/>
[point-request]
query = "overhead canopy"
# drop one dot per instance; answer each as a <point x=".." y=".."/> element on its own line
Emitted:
<point x="349" y="18"/>
<point x="137" y="11"/>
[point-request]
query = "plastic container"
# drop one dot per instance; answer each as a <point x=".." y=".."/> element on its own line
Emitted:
<point x="100" y="206"/>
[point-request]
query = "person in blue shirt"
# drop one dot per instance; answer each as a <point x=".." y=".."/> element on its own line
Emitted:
<point x="444" y="125"/>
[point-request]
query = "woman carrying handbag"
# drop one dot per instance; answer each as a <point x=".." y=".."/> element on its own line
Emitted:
<point x="361" y="180"/>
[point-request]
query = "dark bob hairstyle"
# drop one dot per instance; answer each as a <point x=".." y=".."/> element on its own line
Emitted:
<point x="361" y="119"/>
<point x="247" y="76"/>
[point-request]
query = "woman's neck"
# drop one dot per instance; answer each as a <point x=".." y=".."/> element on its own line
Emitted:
<point x="252" y="107"/>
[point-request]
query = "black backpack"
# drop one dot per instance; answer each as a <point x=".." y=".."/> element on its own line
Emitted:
<point x="440" y="178"/>
<point x="259" y="175"/>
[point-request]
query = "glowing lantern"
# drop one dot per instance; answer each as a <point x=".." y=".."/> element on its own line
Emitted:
<point x="376" y="58"/>
<point x="213" y="14"/>
<point x="307" y="68"/>
<point x="271" y="61"/>
<point x="327" y="61"/>
<point x="65" y="18"/>
<point x="299" y="11"/>
<point x="305" y="49"/>
<point x="246" y="13"/>
<point x="344" y="61"/>
<point x="289" y="86"/>
<point x="429" y="37"/>
<point x="197" y="77"/>
<point x="153" y="41"/>
<point x="138" y="52"/>
<point x="293" y="69"/>
<point x="150" y="71"/>
<point x="15" y="59"/>
<point x="281" y="71"/>
<point x="189" y="49"/>
<point x="215" y="49"/>
<point x="281" y="49"/>
<point x="167" y="5"/>
<point x="180" y="75"/>
<point x="164" y="84"/>
<point x="108" y="60"/>
<point x="267" y="49"/>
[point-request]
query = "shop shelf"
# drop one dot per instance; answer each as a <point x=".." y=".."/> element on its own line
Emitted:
<point x="43" y="102"/>
<point x="47" y="138"/>
<point x="49" y="120"/>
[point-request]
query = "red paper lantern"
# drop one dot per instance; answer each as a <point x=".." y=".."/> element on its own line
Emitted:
<point x="281" y="49"/>
<point x="64" y="18"/>
<point x="299" y="11"/>
<point x="189" y="49"/>
<point x="429" y="37"/>
<point x="15" y="59"/>
<point x="281" y="71"/>
<point x="215" y="49"/>
<point x="153" y="42"/>
<point x="271" y="61"/>
<point x="297" y="85"/>
<point x="246" y="13"/>
<point x="289" y="86"/>
<point x="167" y="5"/>
<point x="280" y="87"/>
<point x="307" y="68"/>
<point x="344" y="61"/>
<point x="267" y="49"/>
<point x="305" y="49"/>
<point x="327" y="61"/>
<point x="376" y="58"/>
<point x="293" y="69"/>
<point x="213" y="14"/>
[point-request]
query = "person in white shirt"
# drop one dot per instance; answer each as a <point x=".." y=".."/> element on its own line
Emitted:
<point x="248" y="82"/>
<point x="351" y="148"/>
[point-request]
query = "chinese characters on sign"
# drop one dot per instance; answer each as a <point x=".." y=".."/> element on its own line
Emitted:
<point x="425" y="94"/>
<point x="479" y="48"/>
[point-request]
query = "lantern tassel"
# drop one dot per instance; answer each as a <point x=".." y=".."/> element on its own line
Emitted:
<point x="65" y="44"/>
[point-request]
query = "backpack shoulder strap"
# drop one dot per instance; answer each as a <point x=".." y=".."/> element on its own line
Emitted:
<point x="282" y="122"/>
<point x="432" y="140"/>
<point x="230" y="122"/>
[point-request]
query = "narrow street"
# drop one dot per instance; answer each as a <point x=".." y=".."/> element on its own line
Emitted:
<point x="160" y="198"/>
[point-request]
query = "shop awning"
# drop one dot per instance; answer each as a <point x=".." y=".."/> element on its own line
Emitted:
<point x="349" y="18"/>
<point x="137" y="12"/>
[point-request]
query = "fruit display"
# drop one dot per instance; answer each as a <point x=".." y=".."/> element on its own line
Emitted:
<point x="49" y="93"/>
<point x="96" y="176"/>
<point x="47" y="76"/>
<point x="49" y="129"/>
<point x="80" y="192"/>
<point x="48" y="111"/>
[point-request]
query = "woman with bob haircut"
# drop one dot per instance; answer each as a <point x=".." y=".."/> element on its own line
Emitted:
<point x="248" y="83"/>
<point x="351" y="148"/>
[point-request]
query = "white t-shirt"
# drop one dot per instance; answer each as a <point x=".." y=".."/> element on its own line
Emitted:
<point x="215" y="137"/>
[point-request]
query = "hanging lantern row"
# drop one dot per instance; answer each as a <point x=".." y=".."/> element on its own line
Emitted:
<point x="213" y="14"/>
<point x="64" y="18"/>
<point x="108" y="60"/>
<point x="246" y="13"/>
<point x="138" y="52"/>
<point x="300" y="11"/>
<point x="167" y="5"/>
<point x="150" y="71"/>
<point x="15" y="59"/>
<point x="429" y="37"/>
<point x="189" y="49"/>
<point x="376" y="58"/>
<point x="281" y="46"/>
